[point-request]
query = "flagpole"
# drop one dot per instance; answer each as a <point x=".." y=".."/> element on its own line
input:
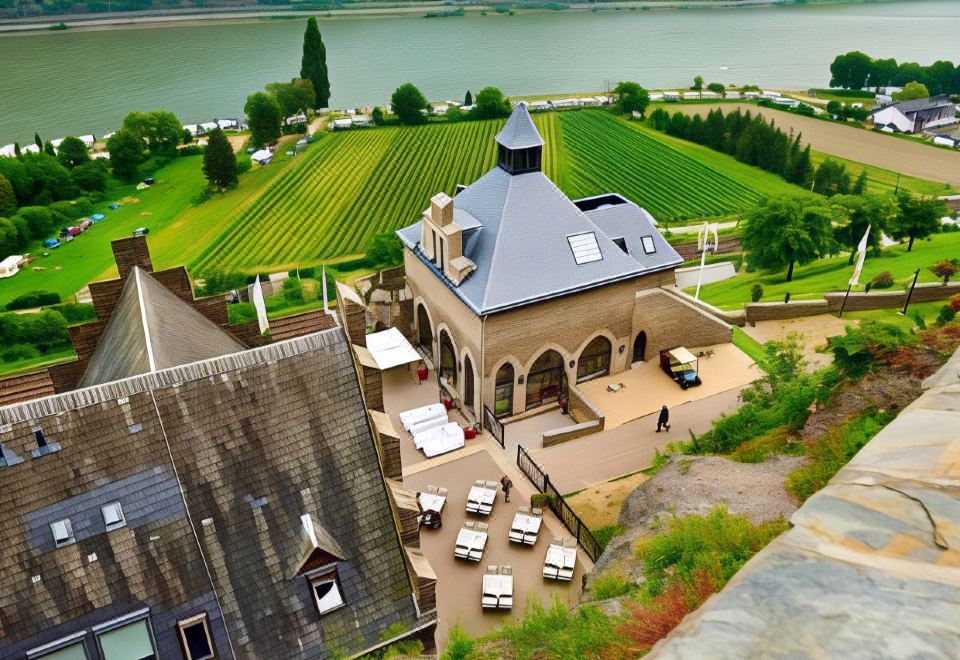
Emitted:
<point x="910" y="293"/>
<point x="844" y="305"/>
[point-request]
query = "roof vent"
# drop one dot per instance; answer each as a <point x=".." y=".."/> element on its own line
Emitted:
<point x="43" y="447"/>
<point x="585" y="248"/>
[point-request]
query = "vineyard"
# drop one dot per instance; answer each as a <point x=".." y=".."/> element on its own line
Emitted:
<point x="351" y="186"/>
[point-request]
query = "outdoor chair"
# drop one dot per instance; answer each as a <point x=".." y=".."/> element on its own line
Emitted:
<point x="506" y="570"/>
<point x="470" y="525"/>
<point x="442" y="492"/>
<point x="491" y="570"/>
<point x="537" y="512"/>
<point x="524" y="509"/>
<point x="482" y="527"/>
<point x="432" y="490"/>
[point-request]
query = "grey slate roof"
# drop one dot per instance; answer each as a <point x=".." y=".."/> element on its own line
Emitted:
<point x="916" y="105"/>
<point x="255" y="440"/>
<point x="519" y="131"/>
<point x="521" y="249"/>
<point x="152" y="329"/>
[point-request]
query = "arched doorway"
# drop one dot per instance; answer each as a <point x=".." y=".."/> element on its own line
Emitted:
<point x="424" y="332"/>
<point x="547" y="379"/>
<point x="448" y="359"/>
<point x="468" y="382"/>
<point x="503" y="391"/>
<point x="640" y="347"/>
<point x="594" y="359"/>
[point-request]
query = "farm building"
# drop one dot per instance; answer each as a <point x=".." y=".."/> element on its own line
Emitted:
<point x="731" y="94"/>
<point x="229" y="124"/>
<point x="262" y="157"/>
<point x="298" y="119"/>
<point x="10" y="266"/>
<point x="194" y="496"/>
<point x="917" y="115"/>
<point x="361" y="120"/>
<point x="519" y="291"/>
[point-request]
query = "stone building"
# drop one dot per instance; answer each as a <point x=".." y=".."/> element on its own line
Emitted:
<point x="193" y="498"/>
<point x="518" y="290"/>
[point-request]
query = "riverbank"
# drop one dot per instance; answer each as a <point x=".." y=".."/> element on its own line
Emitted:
<point x="197" y="16"/>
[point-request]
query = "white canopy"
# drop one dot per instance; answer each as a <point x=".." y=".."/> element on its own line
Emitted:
<point x="391" y="349"/>
<point x="682" y="355"/>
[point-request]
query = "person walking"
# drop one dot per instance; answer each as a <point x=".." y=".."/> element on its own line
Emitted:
<point x="663" y="421"/>
<point x="506" y="484"/>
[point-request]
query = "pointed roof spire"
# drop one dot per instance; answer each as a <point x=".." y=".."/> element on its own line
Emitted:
<point x="519" y="132"/>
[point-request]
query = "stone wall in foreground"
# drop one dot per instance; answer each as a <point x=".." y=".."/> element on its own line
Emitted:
<point x="871" y="566"/>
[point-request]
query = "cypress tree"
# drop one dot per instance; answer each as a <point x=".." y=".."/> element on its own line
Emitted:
<point x="468" y="99"/>
<point x="860" y="187"/>
<point x="16" y="149"/>
<point x="219" y="161"/>
<point x="313" y="66"/>
<point x="8" y="200"/>
<point x="38" y="141"/>
<point x="49" y="149"/>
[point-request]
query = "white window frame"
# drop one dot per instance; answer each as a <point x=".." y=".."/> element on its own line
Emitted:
<point x="122" y="522"/>
<point x="322" y="577"/>
<point x="76" y="639"/>
<point x="585" y="247"/>
<point x="201" y="619"/>
<point x="125" y="620"/>
<point x="68" y="526"/>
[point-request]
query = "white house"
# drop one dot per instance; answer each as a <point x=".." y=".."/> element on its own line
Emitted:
<point x="691" y="94"/>
<point x="709" y="95"/>
<point x="361" y="120"/>
<point x="206" y="127"/>
<point x="10" y="266"/>
<point x="564" y="103"/>
<point x="229" y="124"/>
<point x="88" y="140"/>
<point x="441" y="109"/>
<point x="603" y="100"/>
<point x="671" y="96"/>
<point x="297" y="119"/>
<point x="915" y="116"/>
<point x="656" y="96"/>
<point x="342" y="123"/>
<point x="732" y="94"/>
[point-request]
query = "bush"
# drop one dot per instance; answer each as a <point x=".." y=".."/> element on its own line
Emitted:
<point x="458" y="646"/>
<point x="882" y="280"/>
<point x="945" y="269"/>
<point x="219" y="281"/>
<point x="542" y="500"/>
<point x="864" y="348"/>
<point x="649" y="622"/>
<point x="610" y="585"/>
<point x="33" y="299"/>
<point x="292" y="292"/>
<point x="46" y="330"/>
<point x="604" y="534"/>
<point x="191" y="150"/>
<point x="955" y="302"/>
<point x="756" y="293"/>
<point x="18" y="352"/>
<point x="946" y="315"/>
<point x="74" y="313"/>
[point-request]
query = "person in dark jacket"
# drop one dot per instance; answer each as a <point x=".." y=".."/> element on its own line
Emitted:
<point x="506" y="484"/>
<point x="663" y="421"/>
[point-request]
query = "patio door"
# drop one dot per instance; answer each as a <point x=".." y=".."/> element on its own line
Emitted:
<point x="503" y="391"/>
<point x="468" y="382"/>
<point x="546" y="380"/>
<point x="640" y="347"/>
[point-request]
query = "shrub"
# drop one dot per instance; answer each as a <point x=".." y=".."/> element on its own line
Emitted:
<point x="882" y="280"/>
<point x="955" y="302"/>
<point x="946" y="315"/>
<point x="74" y="313"/>
<point x="648" y="623"/>
<point x="18" y="352"/>
<point x="220" y="281"/>
<point x="605" y="533"/>
<point x="191" y="150"/>
<point x="756" y="293"/>
<point x="458" y="646"/>
<point x="33" y="299"/>
<point x="610" y="585"/>
<point x="292" y="292"/>
<point x="542" y="500"/>
<point x="46" y="330"/>
<point x="864" y="348"/>
<point x="945" y="269"/>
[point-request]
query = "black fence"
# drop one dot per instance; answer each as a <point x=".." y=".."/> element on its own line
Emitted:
<point x="570" y="520"/>
<point x="494" y="425"/>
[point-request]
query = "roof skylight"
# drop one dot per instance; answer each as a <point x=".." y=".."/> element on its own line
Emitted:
<point x="585" y="248"/>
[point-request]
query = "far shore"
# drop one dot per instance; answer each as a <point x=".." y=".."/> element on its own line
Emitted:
<point x="197" y="16"/>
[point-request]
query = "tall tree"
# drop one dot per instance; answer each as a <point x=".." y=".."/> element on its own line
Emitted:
<point x="860" y="185"/>
<point x="697" y="84"/>
<point x="912" y="90"/>
<point x="160" y="129"/>
<point x="313" y="65"/>
<point x="407" y="103"/>
<point x="631" y="97"/>
<point x="264" y="118"/>
<point x="468" y="99"/>
<point x="294" y="96"/>
<point x="856" y="213"/>
<point x="919" y="217"/>
<point x="491" y="103"/>
<point x="786" y="231"/>
<point x="219" y="161"/>
<point x="851" y="70"/>
<point x="8" y="200"/>
<point x="127" y="152"/>
<point x="37" y="141"/>
<point x="831" y="179"/>
<point x="72" y="152"/>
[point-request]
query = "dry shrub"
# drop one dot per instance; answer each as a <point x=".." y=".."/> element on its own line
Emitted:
<point x="648" y="623"/>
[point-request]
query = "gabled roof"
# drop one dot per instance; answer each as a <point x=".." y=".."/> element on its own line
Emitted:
<point x="519" y="131"/>
<point x="916" y="105"/>
<point x="152" y="329"/>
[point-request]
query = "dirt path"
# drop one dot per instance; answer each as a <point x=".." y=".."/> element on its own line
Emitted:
<point x="863" y="146"/>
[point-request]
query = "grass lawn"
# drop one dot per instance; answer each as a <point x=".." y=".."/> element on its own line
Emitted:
<point x="844" y="96"/>
<point x="927" y="310"/>
<point x="880" y="180"/>
<point x="749" y="345"/>
<point x="32" y="364"/>
<point x="813" y="280"/>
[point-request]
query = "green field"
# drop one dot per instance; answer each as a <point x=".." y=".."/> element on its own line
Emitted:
<point x="880" y="180"/>
<point x="832" y="274"/>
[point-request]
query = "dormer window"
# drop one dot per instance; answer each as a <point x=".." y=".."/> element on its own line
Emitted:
<point x="62" y="532"/>
<point x="622" y="244"/>
<point x="113" y="516"/>
<point x="649" y="247"/>
<point x="327" y="595"/>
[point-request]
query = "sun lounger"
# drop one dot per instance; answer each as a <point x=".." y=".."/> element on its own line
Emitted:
<point x="560" y="561"/>
<point x="525" y="528"/>
<point x="497" y="588"/>
<point x="427" y="424"/>
<point x="412" y="417"/>
<point x="440" y="440"/>
<point x="432" y="502"/>
<point x="470" y="543"/>
<point x="481" y="498"/>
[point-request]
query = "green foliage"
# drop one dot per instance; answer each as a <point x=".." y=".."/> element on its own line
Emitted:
<point x="74" y="313"/>
<point x="377" y="116"/>
<point x="72" y="152"/>
<point x="783" y="231"/>
<point x="882" y="280"/>
<point x="631" y="97"/>
<point x="408" y="104"/>
<point x="385" y="250"/>
<point x="945" y="269"/>
<point x="459" y="645"/>
<point x="946" y="315"/>
<point x="911" y="91"/>
<point x="610" y="584"/>
<point x="219" y="161"/>
<point x="90" y="176"/>
<point x="860" y="185"/>
<point x="541" y="500"/>
<point x="468" y="98"/>
<point x="863" y="348"/>
<point x="8" y="199"/>
<point x="293" y="291"/>
<point x="831" y="179"/>
<point x="919" y="217"/>
<point x="718" y="543"/>
<point x="264" y="118"/>
<point x="491" y="104"/>
<point x="218" y="281"/>
<point x="127" y="153"/>
<point x="604" y="534"/>
<point x="756" y="293"/>
<point x="46" y="330"/>
<point x="161" y="129"/>
<point x="294" y="96"/>
<point x="697" y="83"/>
<point x="716" y="88"/>
<point x="856" y="70"/>
<point x="313" y="64"/>
<point x="33" y="299"/>
<point x="829" y="454"/>
<point x="16" y="352"/>
<point x="856" y="213"/>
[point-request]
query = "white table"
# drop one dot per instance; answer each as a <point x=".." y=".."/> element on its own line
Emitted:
<point x="480" y="500"/>
<point x="470" y="544"/>
<point x="559" y="563"/>
<point x="431" y="502"/>
<point x="525" y="528"/>
<point x="497" y="592"/>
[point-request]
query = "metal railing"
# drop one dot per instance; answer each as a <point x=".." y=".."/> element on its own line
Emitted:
<point x="494" y="425"/>
<point x="570" y="520"/>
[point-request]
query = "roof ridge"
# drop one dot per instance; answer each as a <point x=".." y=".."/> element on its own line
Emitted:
<point x="496" y="243"/>
<point x="151" y="360"/>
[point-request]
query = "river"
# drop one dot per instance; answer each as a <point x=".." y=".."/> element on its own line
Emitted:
<point x="80" y="82"/>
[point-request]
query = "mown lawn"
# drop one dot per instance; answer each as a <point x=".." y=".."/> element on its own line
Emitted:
<point x="880" y="180"/>
<point x="813" y="280"/>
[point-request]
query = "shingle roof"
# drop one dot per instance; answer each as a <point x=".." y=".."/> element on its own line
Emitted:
<point x="519" y="131"/>
<point x="151" y="329"/>
<point x="916" y="105"/>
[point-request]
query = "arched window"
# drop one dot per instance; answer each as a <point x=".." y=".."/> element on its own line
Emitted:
<point x="594" y="360"/>
<point x="468" y="382"/>
<point x="503" y="394"/>
<point x="448" y="359"/>
<point x="640" y="347"/>
<point x="547" y="379"/>
<point x="424" y="333"/>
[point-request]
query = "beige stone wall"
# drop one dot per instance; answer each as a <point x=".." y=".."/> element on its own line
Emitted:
<point x="670" y="322"/>
<point x="791" y="310"/>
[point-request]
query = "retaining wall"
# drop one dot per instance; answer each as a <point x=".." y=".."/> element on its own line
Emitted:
<point x="587" y="419"/>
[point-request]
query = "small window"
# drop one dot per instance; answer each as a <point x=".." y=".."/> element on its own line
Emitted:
<point x="130" y="642"/>
<point x="585" y="248"/>
<point x="40" y="438"/>
<point x="195" y="638"/>
<point x="67" y="648"/>
<point x="62" y="532"/>
<point x="648" y="245"/>
<point x="326" y="592"/>
<point x="113" y="515"/>
<point x="621" y="243"/>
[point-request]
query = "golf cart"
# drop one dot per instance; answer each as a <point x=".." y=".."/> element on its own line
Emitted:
<point x="681" y="365"/>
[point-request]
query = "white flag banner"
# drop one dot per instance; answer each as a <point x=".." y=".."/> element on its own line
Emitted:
<point x="326" y="307"/>
<point x="861" y="255"/>
<point x="256" y="297"/>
